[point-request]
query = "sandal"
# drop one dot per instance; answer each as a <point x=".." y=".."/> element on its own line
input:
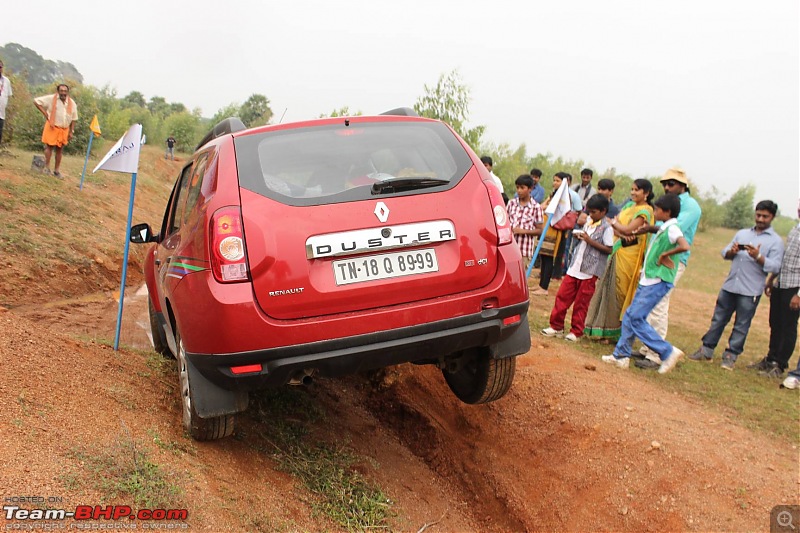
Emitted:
<point x="47" y="171"/>
<point x="58" y="175"/>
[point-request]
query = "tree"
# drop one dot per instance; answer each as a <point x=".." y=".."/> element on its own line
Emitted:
<point x="134" y="98"/>
<point x="449" y="102"/>
<point x="739" y="208"/>
<point x="255" y="111"/>
<point x="185" y="127"/>
<point x="230" y="110"/>
<point x="342" y="112"/>
<point x="158" y="106"/>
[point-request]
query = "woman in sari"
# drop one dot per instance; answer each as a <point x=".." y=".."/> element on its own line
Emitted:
<point x="618" y="285"/>
<point x="552" y="250"/>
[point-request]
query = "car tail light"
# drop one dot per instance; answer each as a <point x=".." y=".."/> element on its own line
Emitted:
<point x="226" y="238"/>
<point x="504" y="234"/>
<point x="246" y="369"/>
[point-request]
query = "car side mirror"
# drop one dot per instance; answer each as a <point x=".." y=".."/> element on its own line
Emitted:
<point x="141" y="233"/>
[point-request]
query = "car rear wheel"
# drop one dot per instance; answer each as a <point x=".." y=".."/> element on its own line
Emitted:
<point x="157" y="332"/>
<point x="476" y="378"/>
<point x="212" y="428"/>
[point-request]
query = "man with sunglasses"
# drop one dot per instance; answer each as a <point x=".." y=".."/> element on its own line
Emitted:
<point x="675" y="182"/>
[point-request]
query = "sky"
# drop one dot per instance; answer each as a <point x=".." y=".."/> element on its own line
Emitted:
<point x="712" y="86"/>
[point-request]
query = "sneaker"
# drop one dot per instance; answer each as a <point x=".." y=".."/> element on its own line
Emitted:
<point x="773" y="370"/>
<point x="58" y="175"/>
<point x="47" y="171"/>
<point x="646" y="364"/>
<point x="571" y="337"/>
<point x="621" y="362"/>
<point x="791" y="382"/>
<point x="550" y="332"/>
<point x="760" y="366"/>
<point x="670" y="362"/>
<point x="728" y="361"/>
<point x="702" y="354"/>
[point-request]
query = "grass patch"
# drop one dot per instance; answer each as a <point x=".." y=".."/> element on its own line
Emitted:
<point x="125" y="469"/>
<point x="330" y="472"/>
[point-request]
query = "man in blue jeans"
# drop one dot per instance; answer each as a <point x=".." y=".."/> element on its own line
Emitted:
<point x="755" y="252"/>
<point x="656" y="280"/>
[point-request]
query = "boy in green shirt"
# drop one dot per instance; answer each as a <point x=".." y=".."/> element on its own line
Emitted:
<point x="657" y="277"/>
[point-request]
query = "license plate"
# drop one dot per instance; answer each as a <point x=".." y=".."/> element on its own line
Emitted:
<point x="383" y="266"/>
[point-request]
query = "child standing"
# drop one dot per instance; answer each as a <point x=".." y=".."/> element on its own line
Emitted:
<point x="588" y="264"/>
<point x="526" y="217"/>
<point x="656" y="280"/>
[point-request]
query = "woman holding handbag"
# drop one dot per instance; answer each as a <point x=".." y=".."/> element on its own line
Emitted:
<point x="618" y="285"/>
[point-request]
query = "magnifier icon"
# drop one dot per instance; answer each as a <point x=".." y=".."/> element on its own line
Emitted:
<point x="784" y="519"/>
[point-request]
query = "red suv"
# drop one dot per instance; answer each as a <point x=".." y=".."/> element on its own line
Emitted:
<point x="328" y="247"/>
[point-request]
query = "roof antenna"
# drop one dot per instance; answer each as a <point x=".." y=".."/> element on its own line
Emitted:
<point x="284" y="114"/>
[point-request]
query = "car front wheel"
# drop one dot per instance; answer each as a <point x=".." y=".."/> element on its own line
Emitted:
<point x="475" y="377"/>
<point x="212" y="428"/>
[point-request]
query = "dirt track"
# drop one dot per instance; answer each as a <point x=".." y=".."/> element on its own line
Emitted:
<point x="574" y="446"/>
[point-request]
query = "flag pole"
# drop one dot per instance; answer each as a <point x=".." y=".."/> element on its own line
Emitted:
<point x="85" y="161"/>
<point x="538" y="247"/>
<point x="125" y="261"/>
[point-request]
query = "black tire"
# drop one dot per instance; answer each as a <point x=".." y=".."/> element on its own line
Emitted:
<point x="159" y="338"/>
<point x="213" y="428"/>
<point x="480" y="379"/>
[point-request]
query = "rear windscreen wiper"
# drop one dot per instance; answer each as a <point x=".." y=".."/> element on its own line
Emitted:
<point x="406" y="184"/>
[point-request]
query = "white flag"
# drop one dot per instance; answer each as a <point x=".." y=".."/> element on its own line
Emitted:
<point x="560" y="204"/>
<point x="123" y="156"/>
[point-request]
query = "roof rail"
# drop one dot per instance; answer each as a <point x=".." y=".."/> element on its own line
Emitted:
<point x="401" y="111"/>
<point x="229" y="125"/>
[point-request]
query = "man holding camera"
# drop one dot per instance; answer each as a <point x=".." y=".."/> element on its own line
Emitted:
<point x="755" y="252"/>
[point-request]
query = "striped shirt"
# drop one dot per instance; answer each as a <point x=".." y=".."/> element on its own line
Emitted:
<point x="790" y="266"/>
<point x="525" y="217"/>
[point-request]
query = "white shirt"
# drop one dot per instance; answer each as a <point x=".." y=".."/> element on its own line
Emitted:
<point x="497" y="182"/>
<point x="5" y="92"/>
<point x="574" y="269"/>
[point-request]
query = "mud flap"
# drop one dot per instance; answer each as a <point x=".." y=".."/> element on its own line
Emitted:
<point x="209" y="400"/>
<point x="518" y="343"/>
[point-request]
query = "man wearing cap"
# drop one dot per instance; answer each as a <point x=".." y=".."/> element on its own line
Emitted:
<point x="675" y="182"/>
<point x="60" y="113"/>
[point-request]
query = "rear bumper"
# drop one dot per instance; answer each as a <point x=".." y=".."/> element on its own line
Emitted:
<point x="348" y="355"/>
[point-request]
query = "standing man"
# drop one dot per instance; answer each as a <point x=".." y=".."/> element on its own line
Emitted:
<point x="674" y="182"/>
<point x="755" y="252"/>
<point x="525" y="218"/>
<point x="606" y="187"/>
<point x="60" y="111"/>
<point x="537" y="193"/>
<point x="784" y="309"/>
<point x="5" y="92"/>
<point x="487" y="162"/>
<point x="170" y="148"/>
<point x="584" y="188"/>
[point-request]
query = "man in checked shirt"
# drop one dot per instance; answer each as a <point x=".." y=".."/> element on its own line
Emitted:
<point x="526" y="217"/>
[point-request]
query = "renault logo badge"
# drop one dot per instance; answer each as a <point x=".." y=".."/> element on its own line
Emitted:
<point x="381" y="211"/>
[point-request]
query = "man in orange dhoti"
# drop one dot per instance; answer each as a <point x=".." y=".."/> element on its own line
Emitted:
<point x="61" y="112"/>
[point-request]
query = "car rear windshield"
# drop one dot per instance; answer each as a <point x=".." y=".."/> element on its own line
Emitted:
<point x="338" y="163"/>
